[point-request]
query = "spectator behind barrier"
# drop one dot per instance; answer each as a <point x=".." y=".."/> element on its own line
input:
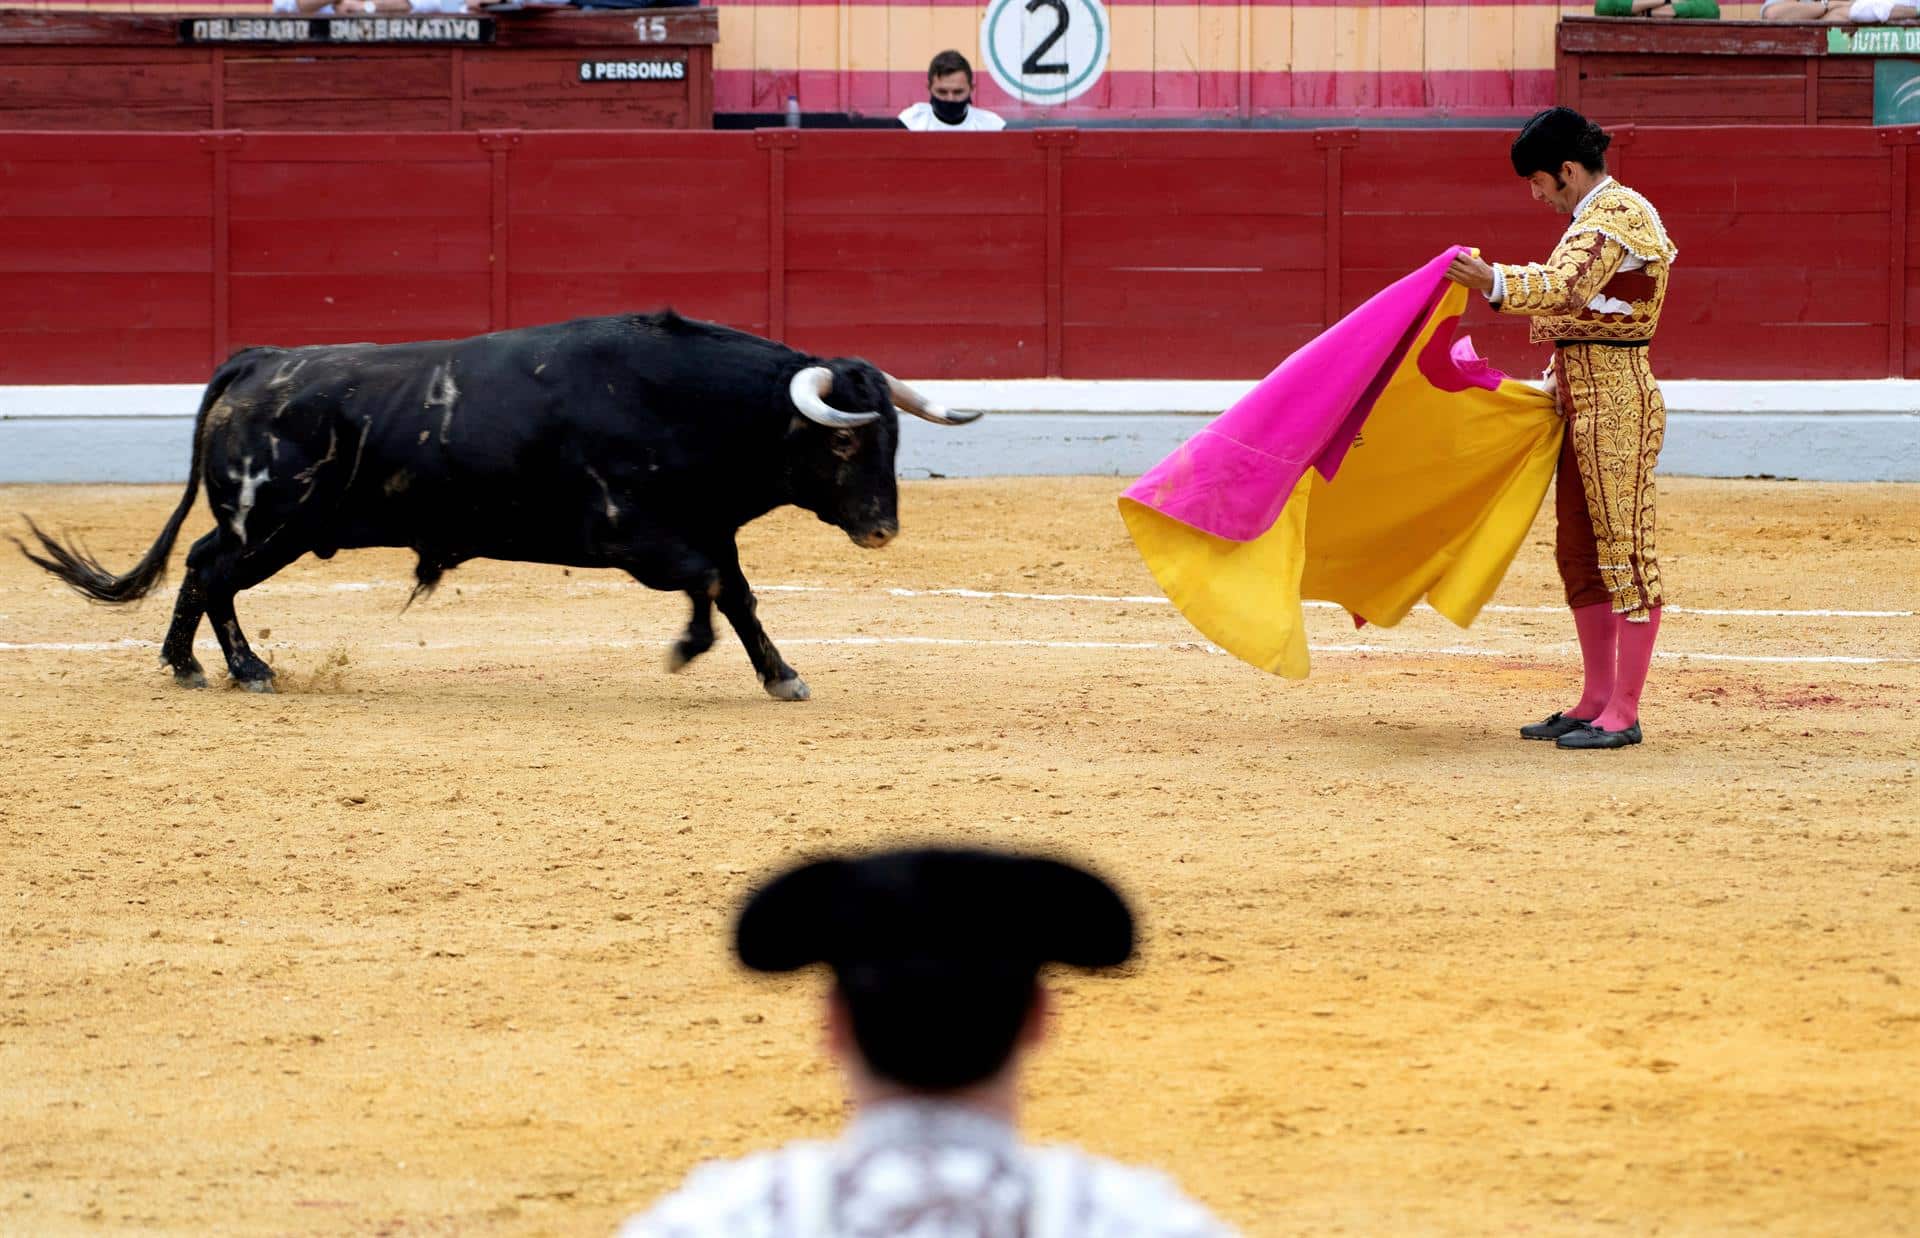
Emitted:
<point x="950" y="108"/>
<point x="367" y="8"/>
<point x="1705" y="9"/>
<point x="936" y="1003"/>
<point x="1865" y="12"/>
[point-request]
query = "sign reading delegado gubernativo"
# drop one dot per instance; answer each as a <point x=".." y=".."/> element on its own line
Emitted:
<point x="337" y="30"/>
<point x="1874" y="41"/>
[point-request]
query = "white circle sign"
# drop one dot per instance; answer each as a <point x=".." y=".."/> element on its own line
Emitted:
<point x="1046" y="51"/>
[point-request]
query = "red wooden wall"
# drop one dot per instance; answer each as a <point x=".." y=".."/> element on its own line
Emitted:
<point x="1109" y="254"/>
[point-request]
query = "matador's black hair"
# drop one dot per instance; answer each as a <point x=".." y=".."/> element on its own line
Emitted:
<point x="1558" y="136"/>
<point x="936" y="952"/>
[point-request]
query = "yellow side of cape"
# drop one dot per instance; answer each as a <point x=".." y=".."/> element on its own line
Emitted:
<point x="1433" y="500"/>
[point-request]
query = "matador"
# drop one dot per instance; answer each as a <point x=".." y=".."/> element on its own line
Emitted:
<point x="1597" y="300"/>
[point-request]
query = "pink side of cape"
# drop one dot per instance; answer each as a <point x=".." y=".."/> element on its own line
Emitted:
<point x="1233" y="478"/>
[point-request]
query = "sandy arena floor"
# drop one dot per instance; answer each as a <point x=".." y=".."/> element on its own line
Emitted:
<point x="435" y="941"/>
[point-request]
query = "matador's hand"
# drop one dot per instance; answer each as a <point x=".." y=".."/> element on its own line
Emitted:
<point x="1469" y="270"/>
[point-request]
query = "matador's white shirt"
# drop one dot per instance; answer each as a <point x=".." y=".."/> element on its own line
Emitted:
<point x="1599" y="304"/>
<point x="924" y="1170"/>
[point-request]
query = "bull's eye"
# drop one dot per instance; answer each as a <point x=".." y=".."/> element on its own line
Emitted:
<point x="845" y="444"/>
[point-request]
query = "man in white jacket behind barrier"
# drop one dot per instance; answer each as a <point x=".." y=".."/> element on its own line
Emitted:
<point x="949" y="107"/>
<point x="936" y="957"/>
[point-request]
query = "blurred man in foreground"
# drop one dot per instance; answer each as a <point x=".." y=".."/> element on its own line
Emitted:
<point x="936" y="1004"/>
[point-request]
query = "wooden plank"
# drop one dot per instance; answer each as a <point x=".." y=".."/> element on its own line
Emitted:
<point x="952" y="297"/>
<point x="654" y="192"/>
<point x="338" y="114"/>
<point x="1844" y="350"/>
<point x="425" y="305"/>
<point x="65" y="244"/>
<point x="1228" y="146"/>
<point x="627" y="113"/>
<point x="917" y="349"/>
<point x="171" y="354"/>
<point x="733" y="297"/>
<point x="78" y="28"/>
<point x="1900" y="253"/>
<point x="911" y="242"/>
<point x="385" y="147"/>
<point x="727" y="237"/>
<point x="1763" y="143"/>
<point x="1588" y="35"/>
<point x="1268" y="242"/>
<point x="1178" y="187"/>
<point x="1846" y="100"/>
<point x="1827" y="186"/>
<point x="38" y="54"/>
<point x="103" y="300"/>
<point x="369" y="191"/>
<point x="143" y="119"/>
<point x="1696" y="100"/>
<point x="1610" y="65"/>
<point x="321" y="243"/>
<point x="103" y="89"/>
<point x="1183" y="351"/>
<point x="819" y="184"/>
<point x="92" y="186"/>
<point x="1751" y="240"/>
<point x="1229" y="299"/>
<point x="1512" y="236"/>
<point x="338" y="76"/>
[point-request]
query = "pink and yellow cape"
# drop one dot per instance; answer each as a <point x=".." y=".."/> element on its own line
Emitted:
<point x="1381" y="463"/>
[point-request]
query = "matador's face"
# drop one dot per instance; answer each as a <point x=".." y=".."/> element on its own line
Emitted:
<point x="1561" y="191"/>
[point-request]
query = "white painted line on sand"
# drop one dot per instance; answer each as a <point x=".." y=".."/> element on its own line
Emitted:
<point x="1115" y="599"/>
<point x="961" y="642"/>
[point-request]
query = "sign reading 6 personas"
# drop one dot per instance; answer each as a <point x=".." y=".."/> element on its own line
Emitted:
<point x="1046" y="51"/>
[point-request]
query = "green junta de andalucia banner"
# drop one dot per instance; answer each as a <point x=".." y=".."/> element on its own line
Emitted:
<point x="1874" y="41"/>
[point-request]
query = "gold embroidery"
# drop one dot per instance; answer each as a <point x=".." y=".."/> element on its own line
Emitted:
<point x="1618" y="422"/>
<point x="1554" y="295"/>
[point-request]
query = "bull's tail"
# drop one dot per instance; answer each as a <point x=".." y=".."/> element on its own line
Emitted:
<point x="84" y="573"/>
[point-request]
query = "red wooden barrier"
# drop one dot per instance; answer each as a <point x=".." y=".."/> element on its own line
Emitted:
<point x="1101" y="254"/>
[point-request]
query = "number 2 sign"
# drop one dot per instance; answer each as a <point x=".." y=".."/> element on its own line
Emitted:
<point x="1045" y="51"/>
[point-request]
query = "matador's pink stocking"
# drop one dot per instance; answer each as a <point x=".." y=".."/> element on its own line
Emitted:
<point x="1636" y="655"/>
<point x="1598" y="628"/>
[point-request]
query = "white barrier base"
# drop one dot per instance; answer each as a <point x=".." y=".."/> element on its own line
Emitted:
<point x="1812" y="430"/>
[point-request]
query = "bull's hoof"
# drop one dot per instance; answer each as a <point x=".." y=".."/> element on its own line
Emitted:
<point x="187" y="672"/>
<point x="681" y="654"/>
<point x="794" y="689"/>
<point x="255" y="685"/>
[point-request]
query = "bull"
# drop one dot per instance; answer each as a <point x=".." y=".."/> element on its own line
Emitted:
<point x="640" y="442"/>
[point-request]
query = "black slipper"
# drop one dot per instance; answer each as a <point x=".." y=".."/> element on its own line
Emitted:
<point x="1553" y="728"/>
<point x="1591" y="736"/>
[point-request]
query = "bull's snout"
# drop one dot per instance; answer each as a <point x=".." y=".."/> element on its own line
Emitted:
<point x="875" y="536"/>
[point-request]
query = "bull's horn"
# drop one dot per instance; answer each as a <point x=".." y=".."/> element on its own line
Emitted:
<point x="809" y="389"/>
<point x="907" y="400"/>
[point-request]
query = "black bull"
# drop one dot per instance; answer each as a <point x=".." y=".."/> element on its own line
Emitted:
<point x="638" y="442"/>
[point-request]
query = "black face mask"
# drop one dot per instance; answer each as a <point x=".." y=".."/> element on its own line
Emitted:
<point x="950" y="111"/>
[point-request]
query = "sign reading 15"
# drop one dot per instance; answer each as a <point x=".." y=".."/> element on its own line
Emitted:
<point x="1045" y="51"/>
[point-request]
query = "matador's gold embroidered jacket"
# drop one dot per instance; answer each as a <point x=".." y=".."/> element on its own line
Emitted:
<point x="1606" y="280"/>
